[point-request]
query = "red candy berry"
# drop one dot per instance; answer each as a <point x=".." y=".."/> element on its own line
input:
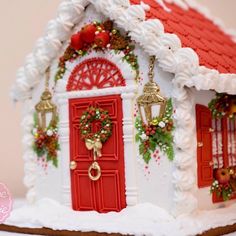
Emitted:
<point x="102" y="39"/>
<point x="88" y="33"/>
<point x="76" y="41"/>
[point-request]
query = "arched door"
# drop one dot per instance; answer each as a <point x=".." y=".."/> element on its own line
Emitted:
<point x="107" y="193"/>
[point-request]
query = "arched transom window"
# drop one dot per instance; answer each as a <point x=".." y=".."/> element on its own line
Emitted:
<point x="95" y="73"/>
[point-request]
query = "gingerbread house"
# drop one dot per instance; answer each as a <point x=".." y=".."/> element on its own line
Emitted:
<point x="127" y="103"/>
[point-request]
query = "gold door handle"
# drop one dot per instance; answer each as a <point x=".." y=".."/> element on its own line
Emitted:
<point x="211" y="163"/>
<point x="200" y="144"/>
<point x="94" y="166"/>
<point x="211" y="130"/>
<point x="73" y="165"/>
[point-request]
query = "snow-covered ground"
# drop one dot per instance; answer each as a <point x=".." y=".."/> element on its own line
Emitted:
<point x="142" y="219"/>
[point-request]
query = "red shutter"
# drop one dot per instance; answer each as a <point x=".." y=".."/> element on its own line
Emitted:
<point x="204" y="147"/>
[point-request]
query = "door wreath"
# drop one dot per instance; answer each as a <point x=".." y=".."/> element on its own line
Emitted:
<point x="93" y="141"/>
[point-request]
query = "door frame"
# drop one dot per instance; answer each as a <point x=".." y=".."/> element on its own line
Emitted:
<point x="127" y="94"/>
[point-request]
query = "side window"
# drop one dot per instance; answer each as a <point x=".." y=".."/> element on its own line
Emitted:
<point x="217" y="144"/>
<point x="224" y="143"/>
<point x="216" y="150"/>
<point x="224" y="150"/>
<point x="231" y="127"/>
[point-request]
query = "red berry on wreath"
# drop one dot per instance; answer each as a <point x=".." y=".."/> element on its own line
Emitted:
<point x="76" y="41"/>
<point x="88" y="33"/>
<point x="102" y="39"/>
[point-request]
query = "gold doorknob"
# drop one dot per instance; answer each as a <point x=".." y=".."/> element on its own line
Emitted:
<point x="211" y="163"/>
<point x="200" y="144"/>
<point x="211" y="130"/>
<point x="73" y="165"/>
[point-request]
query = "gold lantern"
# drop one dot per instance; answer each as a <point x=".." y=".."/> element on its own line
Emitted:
<point x="151" y="104"/>
<point x="46" y="110"/>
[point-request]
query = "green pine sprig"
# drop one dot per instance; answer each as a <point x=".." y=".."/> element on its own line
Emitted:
<point x="162" y="138"/>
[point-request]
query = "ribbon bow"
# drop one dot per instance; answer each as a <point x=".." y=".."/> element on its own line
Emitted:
<point x="95" y="145"/>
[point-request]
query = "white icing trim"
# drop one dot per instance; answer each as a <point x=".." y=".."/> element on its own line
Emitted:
<point x="185" y="150"/>
<point x="171" y="57"/>
<point x="208" y="79"/>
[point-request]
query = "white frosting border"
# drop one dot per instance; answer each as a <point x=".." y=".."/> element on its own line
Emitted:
<point x="183" y="62"/>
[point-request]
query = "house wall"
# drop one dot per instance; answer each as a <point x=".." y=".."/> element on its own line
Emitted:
<point x="203" y="194"/>
<point x="153" y="181"/>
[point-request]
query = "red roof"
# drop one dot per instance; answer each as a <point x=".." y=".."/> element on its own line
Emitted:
<point x="215" y="49"/>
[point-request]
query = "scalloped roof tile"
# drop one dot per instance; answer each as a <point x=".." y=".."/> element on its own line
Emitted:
<point x="216" y="49"/>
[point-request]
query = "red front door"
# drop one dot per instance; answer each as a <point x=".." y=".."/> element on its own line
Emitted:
<point x="107" y="193"/>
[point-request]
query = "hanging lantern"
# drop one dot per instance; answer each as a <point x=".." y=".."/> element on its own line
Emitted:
<point x="151" y="104"/>
<point x="46" y="110"/>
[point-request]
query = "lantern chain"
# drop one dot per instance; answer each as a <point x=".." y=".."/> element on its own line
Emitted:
<point x="47" y="78"/>
<point x="151" y="68"/>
